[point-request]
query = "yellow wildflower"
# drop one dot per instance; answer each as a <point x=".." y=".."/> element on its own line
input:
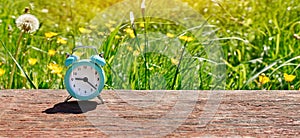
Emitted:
<point x="142" y="47"/>
<point x="186" y="38"/>
<point x="117" y="37"/>
<point x="263" y="79"/>
<point x="84" y="30"/>
<point x="130" y="32"/>
<point x="112" y="29"/>
<point x="136" y="53"/>
<point x="183" y="37"/>
<point x="289" y="78"/>
<point x="108" y="25"/>
<point x="129" y="48"/>
<point x="51" y="52"/>
<point x="170" y="35"/>
<point x="189" y="39"/>
<point x="142" y="25"/>
<point x="55" y="68"/>
<point x="93" y="26"/>
<point x="132" y="35"/>
<point x="50" y="34"/>
<point x="32" y="61"/>
<point x="2" y="72"/>
<point x="61" y="41"/>
<point x="112" y="22"/>
<point x="101" y="33"/>
<point x="174" y="61"/>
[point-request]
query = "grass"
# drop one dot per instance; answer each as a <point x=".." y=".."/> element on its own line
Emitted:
<point x="258" y="39"/>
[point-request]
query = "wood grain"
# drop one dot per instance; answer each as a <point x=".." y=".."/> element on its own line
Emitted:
<point x="42" y="113"/>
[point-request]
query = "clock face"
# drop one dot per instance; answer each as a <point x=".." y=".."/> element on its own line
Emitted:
<point x="84" y="80"/>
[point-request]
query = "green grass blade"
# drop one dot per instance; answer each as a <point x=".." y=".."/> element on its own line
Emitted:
<point x="262" y="71"/>
<point x="286" y="63"/>
<point x="18" y="65"/>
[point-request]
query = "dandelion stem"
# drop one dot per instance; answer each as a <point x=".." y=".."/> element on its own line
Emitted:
<point x="178" y="66"/>
<point x="16" y="57"/>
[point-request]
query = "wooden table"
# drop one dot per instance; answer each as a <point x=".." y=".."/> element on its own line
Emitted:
<point x="42" y="113"/>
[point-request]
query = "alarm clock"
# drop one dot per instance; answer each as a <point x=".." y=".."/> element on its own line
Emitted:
<point x="84" y="78"/>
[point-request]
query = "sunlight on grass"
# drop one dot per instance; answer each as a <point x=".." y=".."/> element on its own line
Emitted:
<point x="259" y="41"/>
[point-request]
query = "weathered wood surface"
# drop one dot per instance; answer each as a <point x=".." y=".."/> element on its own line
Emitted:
<point x="42" y="113"/>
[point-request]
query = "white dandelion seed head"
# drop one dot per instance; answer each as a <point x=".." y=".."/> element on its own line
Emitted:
<point x="27" y="23"/>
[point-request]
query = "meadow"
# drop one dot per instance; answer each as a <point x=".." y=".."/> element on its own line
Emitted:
<point x="259" y="41"/>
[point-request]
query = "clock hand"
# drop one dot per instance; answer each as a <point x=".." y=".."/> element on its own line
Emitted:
<point x="92" y="85"/>
<point x="79" y="79"/>
<point x="85" y="79"/>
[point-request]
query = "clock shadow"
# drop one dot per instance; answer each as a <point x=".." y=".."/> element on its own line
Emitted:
<point x="72" y="107"/>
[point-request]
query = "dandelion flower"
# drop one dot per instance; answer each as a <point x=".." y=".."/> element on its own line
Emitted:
<point x="129" y="48"/>
<point x="170" y="35"/>
<point x="84" y="30"/>
<point x="174" y="61"/>
<point x="117" y="37"/>
<point x="32" y="61"/>
<point x="2" y="72"/>
<point x="130" y="32"/>
<point x="112" y="29"/>
<point x="101" y="33"/>
<point x="182" y="37"/>
<point x="189" y="39"/>
<point x="142" y="47"/>
<point x="93" y="26"/>
<point x="136" y="53"/>
<point x="142" y="25"/>
<point x="112" y="22"/>
<point x="289" y="78"/>
<point x="108" y="25"/>
<point x="186" y="38"/>
<point x="55" y="68"/>
<point x="50" y="34"/>
<point x="263" y="79"/>
<point x="61" y="41"/>
<point x="51" y="52"/>
<point x="27" y="23"/>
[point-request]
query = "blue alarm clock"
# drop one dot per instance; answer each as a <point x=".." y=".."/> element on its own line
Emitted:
<point x="84" y="78"/>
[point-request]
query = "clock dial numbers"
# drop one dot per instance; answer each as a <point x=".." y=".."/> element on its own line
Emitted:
<point x="84" y="80"/>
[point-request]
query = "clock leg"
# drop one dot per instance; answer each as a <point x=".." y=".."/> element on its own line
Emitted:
<point x="68" y="98"/>
<point x="101" y="100"/>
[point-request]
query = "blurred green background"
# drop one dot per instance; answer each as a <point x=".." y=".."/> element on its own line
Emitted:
<point x="259" y="40"/>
